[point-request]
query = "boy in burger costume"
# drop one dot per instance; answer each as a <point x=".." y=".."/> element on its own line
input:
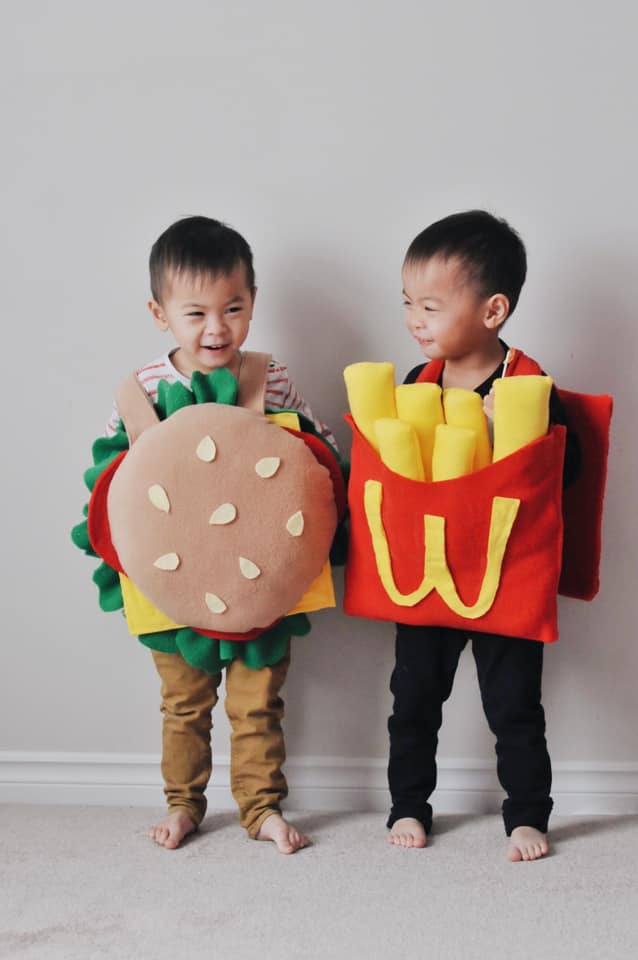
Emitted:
<point x="214" y="525"/>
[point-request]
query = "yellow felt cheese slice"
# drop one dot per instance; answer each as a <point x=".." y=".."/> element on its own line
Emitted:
<point x="143" y="617"/>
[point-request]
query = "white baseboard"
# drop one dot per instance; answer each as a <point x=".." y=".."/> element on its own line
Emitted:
<point x="316" y="783"/>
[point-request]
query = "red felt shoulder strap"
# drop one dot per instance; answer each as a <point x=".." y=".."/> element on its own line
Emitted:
<point x="431" y="372"/>
<point x="517" y="364"/>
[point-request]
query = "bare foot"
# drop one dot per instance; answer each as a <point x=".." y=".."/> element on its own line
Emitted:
<point x="284" y="835"/>
<point x="408" y="832"/>
<point x="527" y="843"/>
<point x="170" y="831"/>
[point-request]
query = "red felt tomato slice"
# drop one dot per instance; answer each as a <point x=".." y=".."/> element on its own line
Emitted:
<point x="98" y="520"/>
<point x="329" y="461"/>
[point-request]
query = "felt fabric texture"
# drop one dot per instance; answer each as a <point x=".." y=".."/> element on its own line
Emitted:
<point x="454" y="452"/>
<point x="99" y="529"/>
<point x="210" y="555"/>
<point x="210" y="653"/>
<point x="420" y="404"/>
<point x="252" y="380"/>
<point x="464" y="408"/>
<point x="371" y="396"/>
<point x="463" y="515"/>
<point x="140" y="412"/>
<point x="521" y="412"/>
<point x="143" y="617"/>
<point x="589" y="418"/>
<point x="399" y="448"/>
<point x="324" y="454"/>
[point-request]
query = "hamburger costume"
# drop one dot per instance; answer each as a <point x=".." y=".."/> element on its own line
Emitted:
<point x="214" y="524"/>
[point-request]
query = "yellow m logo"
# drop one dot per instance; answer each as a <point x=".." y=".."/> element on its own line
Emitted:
<point x="436" y="573"/>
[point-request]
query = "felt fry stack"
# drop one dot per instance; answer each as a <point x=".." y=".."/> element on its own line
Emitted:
<point x="423" y="433"/>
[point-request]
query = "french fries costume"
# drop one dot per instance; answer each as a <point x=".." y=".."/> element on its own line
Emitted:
<point x="445" y="531"/>
<point x="456" y="541"/>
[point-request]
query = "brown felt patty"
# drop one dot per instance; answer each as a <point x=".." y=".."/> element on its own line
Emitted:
<point x="271" y="502"/>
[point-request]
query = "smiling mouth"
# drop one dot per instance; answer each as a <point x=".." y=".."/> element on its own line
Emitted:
<point x="219" y="346"/>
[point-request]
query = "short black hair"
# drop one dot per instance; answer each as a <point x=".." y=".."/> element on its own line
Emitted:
<point x="490" y="252"/>
<point x="198" y="245"/>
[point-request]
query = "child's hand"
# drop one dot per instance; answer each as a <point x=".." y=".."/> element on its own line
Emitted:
<point x="488" y="405"/>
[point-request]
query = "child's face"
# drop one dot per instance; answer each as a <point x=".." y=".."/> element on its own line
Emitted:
<point x="209" y="317"/>
<point x="443" y="312"/>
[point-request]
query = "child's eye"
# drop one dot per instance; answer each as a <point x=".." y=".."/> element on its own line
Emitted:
<point x="195" y="313"/>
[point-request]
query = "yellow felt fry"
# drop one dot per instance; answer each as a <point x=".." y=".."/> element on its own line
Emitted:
<point x="370" y="388"/>
<point x="399" y="447"/>
<point x="521" y="412"/>
<point x="454" y="452"/>
<point x="420" y="405"/>
<point x="464" y="408"/>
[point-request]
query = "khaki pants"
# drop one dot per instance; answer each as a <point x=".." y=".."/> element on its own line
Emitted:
<point x="257" y="750"/>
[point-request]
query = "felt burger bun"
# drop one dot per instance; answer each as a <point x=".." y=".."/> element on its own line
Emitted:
<point x="221" y="518"/>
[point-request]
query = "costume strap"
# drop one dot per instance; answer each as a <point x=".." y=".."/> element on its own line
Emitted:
<point x="135" y="408"/>
<point x="518" y="364"/>
<point x="431" y="372"/>
<point x="252" y="380"/>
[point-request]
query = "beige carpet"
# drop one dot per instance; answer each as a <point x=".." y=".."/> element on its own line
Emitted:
<point x="78" y="883"/>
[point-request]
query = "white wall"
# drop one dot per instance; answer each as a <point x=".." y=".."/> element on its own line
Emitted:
<point x="329" y="134"/>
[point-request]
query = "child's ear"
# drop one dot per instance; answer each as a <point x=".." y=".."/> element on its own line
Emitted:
<point x="158" y="314"/>
<point x="496" y="311"/>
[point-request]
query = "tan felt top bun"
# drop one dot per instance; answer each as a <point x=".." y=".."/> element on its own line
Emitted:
<point x="221" y="518"/>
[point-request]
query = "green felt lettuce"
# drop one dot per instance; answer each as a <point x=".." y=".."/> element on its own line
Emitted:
<point x="210" y="654"/>
<point x="213" y="655"/>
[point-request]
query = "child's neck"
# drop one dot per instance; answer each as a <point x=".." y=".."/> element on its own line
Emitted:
<point x="472" y="370"/>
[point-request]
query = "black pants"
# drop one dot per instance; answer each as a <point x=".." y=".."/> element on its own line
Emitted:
<point x="509" y="674"/>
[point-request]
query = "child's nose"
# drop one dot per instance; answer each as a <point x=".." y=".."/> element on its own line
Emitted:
<point x="214" y="323"/>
